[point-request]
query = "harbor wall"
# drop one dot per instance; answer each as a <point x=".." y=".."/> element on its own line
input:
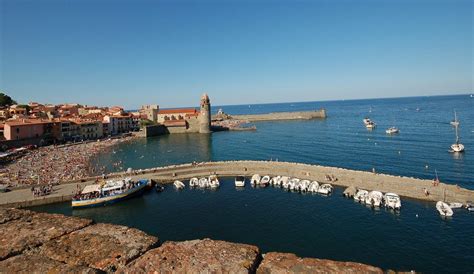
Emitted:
<point x="404" y="186"/>
<point x="281" y="116"/>
<point x="34" y="242"/>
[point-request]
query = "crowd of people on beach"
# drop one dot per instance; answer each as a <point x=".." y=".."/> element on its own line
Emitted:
<point x="55" y="164"/>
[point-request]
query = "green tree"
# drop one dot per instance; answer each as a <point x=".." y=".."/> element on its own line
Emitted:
<point x="6" y="100"/>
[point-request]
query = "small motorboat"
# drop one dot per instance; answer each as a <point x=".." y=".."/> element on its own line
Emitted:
<point x="304" y="185"/>
<point x="203" y="182"/>
<point x="255" y="180"/>
<point x="392" y="200"/>
<point x="455" y="205"/>
<point x="283" y="182"/>
<point x="214" y="181"/>
<point x="178" y="184"/>
<point x="159" y="187"/>
<point x="240" y="181"/>
<point x="325" y="189"/>
<point x="374" y="198"/>
<point x="313" y="187"/>
<point x="370" y="125"/>
<point x="265" y="181"/>
<point x="349" y="192"/>
<point x="361" y="195"/>
<point x="274" y="180"/>
<point x="194" y="182"/>
<point x="444" y="209"/>
<point x="392" y="130"/>
<point x="366" y="121"/>
<point x="292" y="183"/>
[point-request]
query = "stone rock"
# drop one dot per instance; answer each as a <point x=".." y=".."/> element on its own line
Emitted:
<point x="34" y="229"/>
<point x="38" y="264"/>
<point x="197" y="256"/>
<point x="102" y="246"/>
<point x="10" y="214"/>
<point x="275" y="262"/>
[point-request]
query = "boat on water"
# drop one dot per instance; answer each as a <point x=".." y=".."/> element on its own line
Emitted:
<point x="203" y="182"/>
<point x="214" y="181"/>
<point x="194" y="182"/>
<point x="374" y="198"/>
<point x="370" y="125"/>
<point x="240" y="181"/>
<point x="303" y="186"/>
<point x="367" y="121"/>
<point x="455" y="205"/>
<point x="444" y="209"/>
<point x="392" y="130"/>
<point x="159" y="187"/>
<point x="455" y="122"/>
<point x="111" y="191"/>
<point x="283" y="182"/>
<point x="255" y="180"/>
<point x="313" y="187"/>
<point x="325" y="189"/>
<point x="457" y="147"/>
<point x="392" y="200"/>
<point x="292" y="183"/>
<point x="349" y="192"/>
<point x="178" y="185"/>
<point x="361" y="195"/>
<point x="265" y="181"/>
<point x="274" y="180"/>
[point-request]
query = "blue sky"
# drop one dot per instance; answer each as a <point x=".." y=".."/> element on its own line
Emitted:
<point x="130" y="53"/>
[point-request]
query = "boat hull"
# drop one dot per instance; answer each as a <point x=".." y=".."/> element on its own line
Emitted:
<point x="110" y="199"/>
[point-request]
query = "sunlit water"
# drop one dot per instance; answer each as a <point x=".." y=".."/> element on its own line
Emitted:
<point x="311" y="225"/>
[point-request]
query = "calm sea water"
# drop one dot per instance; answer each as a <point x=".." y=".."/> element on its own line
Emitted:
<point x="312" y="225"/>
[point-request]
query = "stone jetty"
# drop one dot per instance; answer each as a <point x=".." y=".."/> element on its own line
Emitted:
<point x="404" y="186"/>
<point x="281" y="116"/>
<point x="34" y="242"/>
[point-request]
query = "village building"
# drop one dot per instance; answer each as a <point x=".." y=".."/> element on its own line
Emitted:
<point x="27" y="129"/>
<point x="150" y="112"/>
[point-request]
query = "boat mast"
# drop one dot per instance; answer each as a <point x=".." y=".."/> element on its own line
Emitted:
<point x="457" y="136"/>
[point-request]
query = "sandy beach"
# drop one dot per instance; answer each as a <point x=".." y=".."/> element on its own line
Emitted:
<point x="55" y="164"/>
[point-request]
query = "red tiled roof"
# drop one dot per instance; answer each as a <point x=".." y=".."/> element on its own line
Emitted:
<point x="177" y="111"/>
<point x="26" y="122"/>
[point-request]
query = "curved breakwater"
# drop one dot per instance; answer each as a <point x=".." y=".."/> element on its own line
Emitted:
<point x="404" y="186"/>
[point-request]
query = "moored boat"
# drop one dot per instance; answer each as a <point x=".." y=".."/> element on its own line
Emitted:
<point x="214" y="181"/>
<point x="349" y="192"/>
<point x="313" y="187"/>
<point x="110" y="192"/>
<point x="454" y="205"/>
<point x="240" y="181"/>
<point x="444" y="209"/>
<point x="325" y="189"/>
<point x="178" y="184"/>
<point x="374" y="198"/>
<point x="194" y="182"/>
<point x="392" y="200"/>
<point x="159" y="187"/>
<point x="265" y="181"/>
<point x="361" y="195"/>
<point x="392" y="130"/>
<point x="255" y="180"/>
<point x="203" y="182"/>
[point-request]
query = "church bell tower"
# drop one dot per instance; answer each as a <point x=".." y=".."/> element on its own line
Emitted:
<point x="205" y="115"/>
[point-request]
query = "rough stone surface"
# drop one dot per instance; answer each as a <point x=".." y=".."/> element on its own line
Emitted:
<point x="39" y="264"/>
<point x="197" y="256"/>
<point x="9" y="214"/>
<point x="102" y="246"/>
<point x="34" y="229"/>
<point x="274" y="262"/>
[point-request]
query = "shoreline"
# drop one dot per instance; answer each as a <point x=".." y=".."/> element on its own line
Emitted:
<point x="406" y="187"/>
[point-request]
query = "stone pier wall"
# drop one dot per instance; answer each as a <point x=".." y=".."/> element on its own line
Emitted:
<point x="404" y="186"/>
<point x="50" y="243"/>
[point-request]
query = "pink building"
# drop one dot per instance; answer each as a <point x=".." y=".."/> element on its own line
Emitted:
<point x="26" y="129"/>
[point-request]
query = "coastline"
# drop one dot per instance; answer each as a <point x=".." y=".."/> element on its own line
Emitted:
<point x="406" y="187"/>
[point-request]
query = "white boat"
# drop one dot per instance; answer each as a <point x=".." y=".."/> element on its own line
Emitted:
<point x="240" y="181"/>
<point x="454" y="205"/>
<point x="292" y="183"/>
<point x="255" y="180"/>
<point x="265" y="181"/>
<point x="194" y="182"/>
<point x="444" y="209"/>
<point x="370" y="125"/>
<point x="304" y="185"/>
<point x="178" y="184"/>
<point x="284" y="181"/>
<point x="392" y="200"/>
<point x="325" y="189"/>
<point x="367" y="121"/>
<point x="457" y="147"/>
<point x="313" y="187"/>
<point x="109" y="192"/>
<point x="213" y="181"/>
<point x="374" y="198"/>
<point x="349" y="192"/>
<point x="455" y="122"/>
<point x="392" y="130"/>
<point x="361" y="195"/>
<point x="274" y="180"/>
<point x="203" y="183"/>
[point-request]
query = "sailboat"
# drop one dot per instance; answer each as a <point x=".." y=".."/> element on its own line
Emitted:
<point x="457" y="147"/>
<point x="455" y="122"/>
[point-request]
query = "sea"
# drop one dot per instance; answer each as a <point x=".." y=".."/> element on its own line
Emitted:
<point x="327" y="227"/>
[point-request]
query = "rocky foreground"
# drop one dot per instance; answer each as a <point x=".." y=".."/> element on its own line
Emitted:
<point x="33" y="242"/>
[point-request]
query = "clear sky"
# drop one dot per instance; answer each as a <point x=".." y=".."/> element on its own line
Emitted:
<point x="129" y="53"/>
